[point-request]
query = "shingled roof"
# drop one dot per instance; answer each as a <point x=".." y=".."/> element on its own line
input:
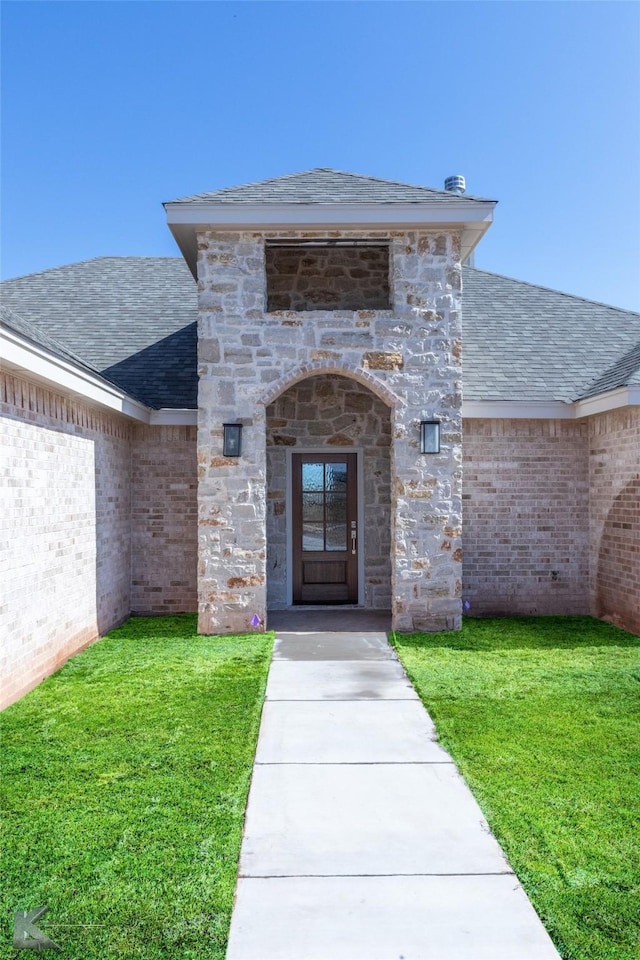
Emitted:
<point x="525" y="341"/>
<point x="13" y="321"/>
<point x="324" y="185"/>
<point x="625" y="372"/>
<point x="133" y="319"/>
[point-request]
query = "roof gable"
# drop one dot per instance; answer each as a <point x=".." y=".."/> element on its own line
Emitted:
<point x="325" y="185"/>
<point x="325" y="199"/>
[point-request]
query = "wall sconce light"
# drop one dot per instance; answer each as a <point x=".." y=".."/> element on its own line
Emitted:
<point x="232" y="439"/>
<point x="429" y="436"/>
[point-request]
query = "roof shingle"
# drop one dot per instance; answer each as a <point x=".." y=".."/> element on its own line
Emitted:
<point x="13" y="321"/>
<point x="133" y="320"/>
<point x="522" y="341"/>
<point x="324" y="185"/>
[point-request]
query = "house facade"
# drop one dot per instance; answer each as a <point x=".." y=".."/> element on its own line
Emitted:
<point x="322" y="405"/>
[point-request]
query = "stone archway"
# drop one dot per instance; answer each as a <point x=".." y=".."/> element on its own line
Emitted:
<point x="334" y="412"/>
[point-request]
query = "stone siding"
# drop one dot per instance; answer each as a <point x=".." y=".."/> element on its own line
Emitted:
<point x="614" y="468"/>
<point x="164" y="514"/>
<point x="327" y="278"/>
<point x="525" y="517"/>
<point x="332" y="412"/>
<point x="410" y="356"/>
<point x="65" y="566"/>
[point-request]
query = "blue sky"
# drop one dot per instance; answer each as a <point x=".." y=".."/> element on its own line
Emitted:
<point x="111" y="108"/>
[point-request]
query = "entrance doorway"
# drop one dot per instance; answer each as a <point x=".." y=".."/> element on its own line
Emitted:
<point x="325" y="534"/>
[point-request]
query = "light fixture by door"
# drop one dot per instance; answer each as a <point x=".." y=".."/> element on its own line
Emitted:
<point x="232" y="439"/>
<point x="429" y="436"/>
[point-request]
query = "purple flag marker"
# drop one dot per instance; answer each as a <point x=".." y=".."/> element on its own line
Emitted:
<point x="255" y="620"/>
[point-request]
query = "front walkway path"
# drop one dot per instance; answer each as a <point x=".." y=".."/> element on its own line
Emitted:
<point x="362" y="841"/>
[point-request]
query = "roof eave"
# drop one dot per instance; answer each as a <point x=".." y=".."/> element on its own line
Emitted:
<point x="551" y="409"/>
<point x="21" y="355"/>
<point x="185" y="221"/>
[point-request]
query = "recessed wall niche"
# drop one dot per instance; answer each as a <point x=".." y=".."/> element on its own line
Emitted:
<point x="327" y="275"/>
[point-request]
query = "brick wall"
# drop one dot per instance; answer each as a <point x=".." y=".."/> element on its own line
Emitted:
<point x="525" y="516"/>
<point x="164" y="515"/>
<point x="100" y="517"/>
<point x="614" y="470"/>
<point x="65" y="564"/>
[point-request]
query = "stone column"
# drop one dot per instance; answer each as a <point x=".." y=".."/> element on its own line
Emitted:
<point x="412" y="351"/>
<point x="427" y="488"/>
<point x="231" y="491"/>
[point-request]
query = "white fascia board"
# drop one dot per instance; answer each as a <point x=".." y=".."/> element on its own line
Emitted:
<point x="168" y="416"/>
<point x="517" y="410"/>
<point x="622" y="397"/>
<point x="471" y="237"/>
<point x="482" y="409"/>
<point x="550" y="409"/>
<point x="25" y="357"/>
<point x="186" y="220"/>
<point x="308" y="215"/>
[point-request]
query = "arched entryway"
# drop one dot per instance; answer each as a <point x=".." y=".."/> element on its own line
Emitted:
<point x="328" y="495"/>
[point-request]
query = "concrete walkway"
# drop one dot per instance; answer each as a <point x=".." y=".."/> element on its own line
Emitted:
<point x="362" y="841"/>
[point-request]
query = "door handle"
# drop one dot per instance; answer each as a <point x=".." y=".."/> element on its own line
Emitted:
<point x="354" y="536"/>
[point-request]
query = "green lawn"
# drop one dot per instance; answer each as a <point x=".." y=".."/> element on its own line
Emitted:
<point x="542" y="715"/>
<point x="125" y="778"/>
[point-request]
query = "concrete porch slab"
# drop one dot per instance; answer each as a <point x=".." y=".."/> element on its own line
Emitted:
<point x="329" y="620"/>
<point x="331" y="680"/>
<point x="385" y="918"/>
<point x="352" y="645"/>
<point x="368" y="731"/>
<point x="326" y="820"/>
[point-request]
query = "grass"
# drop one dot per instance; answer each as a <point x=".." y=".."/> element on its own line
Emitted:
<point x="542" y="715"/>
<point x="125" y="779"/>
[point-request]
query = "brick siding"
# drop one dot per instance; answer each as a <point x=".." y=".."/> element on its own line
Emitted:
<point x="614" y="471"/>
<point x="100" y="518"/>
<point x="164" y="520"/>
<point x="525" y="517"/>
<point x="65" y="566"/>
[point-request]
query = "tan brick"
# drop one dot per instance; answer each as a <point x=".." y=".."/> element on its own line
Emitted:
<point x="525" y="515"/>
<point x="614" y="532"/>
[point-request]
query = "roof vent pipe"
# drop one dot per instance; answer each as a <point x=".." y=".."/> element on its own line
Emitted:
<point x="455" y="184"/>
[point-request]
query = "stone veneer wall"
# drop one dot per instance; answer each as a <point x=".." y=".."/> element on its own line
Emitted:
<point x="332" y="412"/>
<point x="65" y="567"/>
<point x="614" y="470"/>
<point x="164" y="520"/>
<point x="410" y="356"/>
<point x="327" y="278"/>
<point x="525" y="517"/>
